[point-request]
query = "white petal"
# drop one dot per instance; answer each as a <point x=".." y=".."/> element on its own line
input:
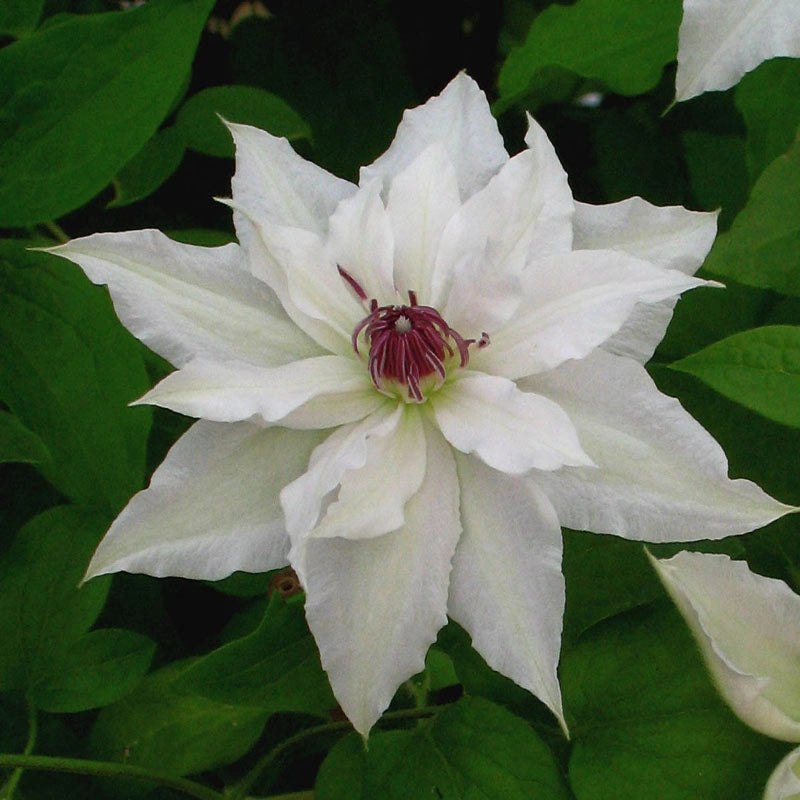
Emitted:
<point x="361" y="242"/>
<point x="509" y="430"/>
<point x="185" y="301"/>
<point x="372" y="498"/>
<point x="719" y="41"/>
<point x="671" y="237"/>
<point x="212" y="507"/>
<point x="375" y="606"/>
<point x="422" y="198"/>
<point x="661" y="476"/>
<point x="460" y="120"/>
<point x="230" y="391"/>
<point x="572" y="304"/>
<point x="506" y="588"/>
<point x="748" y="629"/>
<point x="784" y="783"/>
<point x="274" y="184"/>
<point x="346" y="449"/>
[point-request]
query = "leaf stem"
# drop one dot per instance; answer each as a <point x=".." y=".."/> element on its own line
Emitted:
<point x="7" y="792"/>
<point x="107" y="769"/>
<point x="240" y="790"/>
<point x="56" y="231"/>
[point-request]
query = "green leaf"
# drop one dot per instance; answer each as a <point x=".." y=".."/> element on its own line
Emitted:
<point x="624" y="43"/>
<point x="149" y="168"/>
<point x="18" y="444"/>
<point x="68" y="370"/>
<point x="43" y="610"/>
<point x="275" y="668"/>
<point x="762" y="248"/>
<point x="200" y="124"/>
<point x="100" y="668"/>
<point x="770" y="104"/>
<point x="81" y="98"/>
<point x="645" y="717"/>
<point x="18" y="17"/>
<point x="473" y="749"/>
<point x="158" y="726"/>
<point x="758" y="368"/>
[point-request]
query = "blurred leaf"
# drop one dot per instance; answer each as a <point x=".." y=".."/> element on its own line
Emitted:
<point x="81" y="98"/>
<point x="100" y="668"/>
<point x="759" y="369"/>
<point x="149" y="168"/>
<point x="762" y="248"/>
<point x="624" y="43"/>
<point x="275" y="668"/>
<point x="472" y="749"/>
<point x="18" y="444"/>
<point x="645" y="717"/>
<point x="18" y="17"/>
<point x="68" y="370"/>
<point x="200" y="124"/>
<point x="158" y="726"/>
<point x="43" y="611"/>
<point x="206" y="237"/>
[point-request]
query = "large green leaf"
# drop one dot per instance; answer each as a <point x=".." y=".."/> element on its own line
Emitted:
<point x="19" y="444"/>
<point x="472" y="749"/>
<point x="646" y="720"/>
<point x="275" y="668"/>
<point x="623" y="43"/>
<point x="68" y="370"/>
<point x="759" y="369"/>
<point x="80" y="98"/>
<point x="762" y="248"/>
<point x="43" y="610"/>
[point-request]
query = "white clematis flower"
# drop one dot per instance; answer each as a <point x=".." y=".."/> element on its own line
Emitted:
<point x="404" y="388"/>
<point x="720" y="40"/>
<point x="748" y="630"/>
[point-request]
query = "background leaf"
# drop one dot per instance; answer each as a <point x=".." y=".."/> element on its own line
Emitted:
<point x="18" y="17"/>
<point x="17" y="443"/>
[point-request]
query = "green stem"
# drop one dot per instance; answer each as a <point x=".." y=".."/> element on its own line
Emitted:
<point x="56" y="231"/>
<point x="7" y="792"/>
<point x="240" y="790"/>
<point x="107" y="769"/>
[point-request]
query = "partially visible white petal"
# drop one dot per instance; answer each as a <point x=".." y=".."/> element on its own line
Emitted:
<point x="719" y="41"/>
<point x="375" y="606"/>
<point x="573" y="303"/>
<point x="748" y="629"/>
<point x="460" y="120"/>
<point x="185" y="301"/>
<point x="670" y="236"/>
<point x="422" y="198"/>
<point x="274" y="184"/>
<point x="361" y="242"/>
<point x="784" y="783"/>
<point x="372" y="498"/>
<point x="509" y="430"/>
<point x="345" y="449"/>
<point x="212" y="507"/>
<point x="506" y="588"/>
<point x="661" y="477"/>
<point x="230" y="391"/>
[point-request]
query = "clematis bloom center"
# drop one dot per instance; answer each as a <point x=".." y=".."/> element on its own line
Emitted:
<point x="410" y="346"/>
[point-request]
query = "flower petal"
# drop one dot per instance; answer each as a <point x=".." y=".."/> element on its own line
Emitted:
<point x="212" y="507"/>
<point x="719" y="42"/>
<point x="230" y="391"/>
<point x="185" y="301"/>
<point x="661" y="477"/>
<point x="506" y="588"/>
<point x="671" y="237"/>
<point x="509" y="430"/>
<point x="572" y="303"/>
<point x="372" y="498"/>
<point x="784" y="783"/>
<point x="375" y="605"/>
<point x="748" y="629"/>
<point x="422" y="198"/>
<point x="460" y="120"/>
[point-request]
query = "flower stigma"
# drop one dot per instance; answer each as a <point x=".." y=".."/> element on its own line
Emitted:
<point x="410" y="346"/>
